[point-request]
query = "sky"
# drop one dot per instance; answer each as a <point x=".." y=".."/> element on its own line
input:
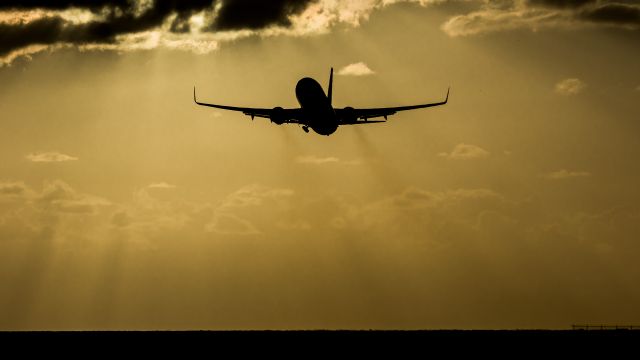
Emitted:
<point x="123" y="205"/>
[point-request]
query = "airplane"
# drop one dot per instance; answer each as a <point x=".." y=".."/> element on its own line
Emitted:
<point x="316" y="110"/>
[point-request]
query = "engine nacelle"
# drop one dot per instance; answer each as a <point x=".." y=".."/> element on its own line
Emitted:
<point x="278" y="116"/>
<point x="348" y="115"/>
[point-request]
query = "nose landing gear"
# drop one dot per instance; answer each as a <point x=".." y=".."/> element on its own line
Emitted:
<point x="305" y="128"/>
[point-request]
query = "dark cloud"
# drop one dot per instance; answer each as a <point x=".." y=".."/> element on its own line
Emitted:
<point x="503" y="15"/>
<point x="114" y="18"/>
<point x="181" y="24"/>
<point x="119" y="17"/>
<point x="62" y="5"/>
<point x="620" y="12"/>
<point x="615" y="13"/>
<point x="115" y="24"/>
<point x="121" y="219"/>
<point x="561" y="3"/>
<point x="44" y="31"/>
<point x="13" y="189"/>
<point x="257" y="14"/>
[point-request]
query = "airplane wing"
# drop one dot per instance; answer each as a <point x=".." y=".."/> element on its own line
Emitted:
<point x="284" y="115"/>
<point x="369" y="113"/>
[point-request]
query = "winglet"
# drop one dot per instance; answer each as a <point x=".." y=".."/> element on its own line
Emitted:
<point x="194" y="95"/>
<point x="330" y="90"/>
<point x="447" y="98"/>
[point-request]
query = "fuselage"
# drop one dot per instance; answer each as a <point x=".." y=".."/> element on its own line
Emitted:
<point x="316" y="106"/>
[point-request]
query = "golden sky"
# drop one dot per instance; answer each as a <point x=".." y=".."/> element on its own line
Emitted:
<point x="125" y="206"/>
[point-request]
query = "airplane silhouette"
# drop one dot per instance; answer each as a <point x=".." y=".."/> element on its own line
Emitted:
<point x="316" y="111"/>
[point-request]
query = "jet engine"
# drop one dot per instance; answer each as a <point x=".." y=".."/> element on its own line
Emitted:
<point x="278" y="115"/>
<point x="348" y="115"/>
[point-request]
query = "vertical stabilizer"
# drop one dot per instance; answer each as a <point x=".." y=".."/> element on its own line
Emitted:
<point x="330" y="91"/>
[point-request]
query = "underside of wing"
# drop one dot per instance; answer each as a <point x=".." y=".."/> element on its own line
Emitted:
<point x="370" y="113"/>
<point x="277" y="114"/>
<point x="362" y="122"/>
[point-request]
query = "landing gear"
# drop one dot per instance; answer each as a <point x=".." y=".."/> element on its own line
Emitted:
<point x="305" y="128"/>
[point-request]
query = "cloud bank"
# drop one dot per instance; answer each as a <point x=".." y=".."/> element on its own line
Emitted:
<point x="262" y="256"/>
<point x="200" y="26"/>
<point x="197" y="25"/>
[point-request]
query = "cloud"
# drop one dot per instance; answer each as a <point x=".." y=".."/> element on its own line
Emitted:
<point x="113" y="24"/>
<point x="492" y="19"/>
<point x="27" y="28"/>
<point x="195" y="25"/>
<point x="356" y="69"/>
<point x="254" y="195"/>
<point x="62" y="198"/>
<point x="570" y="86"/>
<point x="539" y="14"/>
<point x="561" y="3"/>
<point x="12" y="188"/>
<point x="465" y="152"/>
<point x="613" y="13"/>
<point x="161" y="185"/>
<point x="120" y="219"/>
<point x="416" y="198"/>
<point x="229" y="224"/>
<point x="50" y="157"/>
<point x="56" y="211"/>
<point x="294" y="225"/>
<point x="474" y="255"/>
<point x="316" y="160"/>
<point x="429" y="214"/>
<point x="146" y="216"/>
<point x="565" y="174"/>
<point x="255" y="202"/>
<point x="257" y="14"/>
